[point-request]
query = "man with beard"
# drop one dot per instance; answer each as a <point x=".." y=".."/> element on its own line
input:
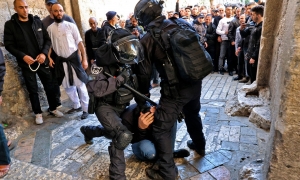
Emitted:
<point x="254" y="42"/>
<point x="26" y="38"/>
<point x="47" y="21"/>
<point x="135" y="29"/>
<point x="92" y="39"/>
<point x="69" y="71"/>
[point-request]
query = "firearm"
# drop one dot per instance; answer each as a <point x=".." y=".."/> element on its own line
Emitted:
<point x="181" y="115"/>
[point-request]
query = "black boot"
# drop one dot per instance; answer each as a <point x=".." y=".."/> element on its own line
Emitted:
<point x="192" y="146"/>
<point x="117" y="163"/>
<point x="181" y="153"/>
<point x="89" y="132"/>
<point x="153" y="174"/>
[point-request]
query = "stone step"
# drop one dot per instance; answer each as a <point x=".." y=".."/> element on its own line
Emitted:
<point x="24" y="171"/>
<point x="246" y="99"/>
<point x="261" y="116"/>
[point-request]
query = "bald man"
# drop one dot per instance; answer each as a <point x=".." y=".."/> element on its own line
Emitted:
<point x="69" y="71"/>
<point x="26" y="38"/>
<point x="47" y="21"/>
<point x="92" y="37"/>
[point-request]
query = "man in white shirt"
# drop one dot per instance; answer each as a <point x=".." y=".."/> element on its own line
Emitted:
<point x="69" y="70"/>
<point x="222" y="30"/>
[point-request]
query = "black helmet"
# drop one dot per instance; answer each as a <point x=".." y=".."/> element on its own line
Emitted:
<point x="121" y="47"/>
<point x="146" y="11"/>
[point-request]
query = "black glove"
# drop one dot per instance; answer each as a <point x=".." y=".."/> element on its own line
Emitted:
<point x="123" y="77"/>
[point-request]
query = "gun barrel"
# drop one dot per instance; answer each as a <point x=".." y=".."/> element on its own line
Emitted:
<point x="181" y="115"/>
<point x="136" y="92"/>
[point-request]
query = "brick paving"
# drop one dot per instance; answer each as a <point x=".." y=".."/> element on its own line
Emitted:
<point x="56" y="149"/>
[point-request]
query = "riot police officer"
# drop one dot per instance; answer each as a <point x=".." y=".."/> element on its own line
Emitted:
<point x="175" y="97"/>
<point x="121" y="50"/>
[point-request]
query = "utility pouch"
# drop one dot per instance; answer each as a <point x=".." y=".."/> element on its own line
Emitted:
<point x="169" y="91"/>
<point x="123" y="96"/>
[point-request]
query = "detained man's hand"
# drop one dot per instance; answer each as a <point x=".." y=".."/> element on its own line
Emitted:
<point x="146" y="119"/>
<point x="252" y="61"/>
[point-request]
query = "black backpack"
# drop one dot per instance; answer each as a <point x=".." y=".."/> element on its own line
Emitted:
<point x="183" y="46"/>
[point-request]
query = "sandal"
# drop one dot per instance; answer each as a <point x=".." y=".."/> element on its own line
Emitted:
<point x="4" y="170"/>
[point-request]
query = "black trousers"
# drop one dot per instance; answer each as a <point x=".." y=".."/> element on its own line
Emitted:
<point x="56" y="88"/>
<point x="253" y="71"/>
<point x="211" y="50"/>
<point x="217" y="55"/>
<point x="165" y="117"/>
<point x="32" y="87"/>
<point x="232" y="61"/>
<point x="109" y="117"/>
<point x="241" y="65"/>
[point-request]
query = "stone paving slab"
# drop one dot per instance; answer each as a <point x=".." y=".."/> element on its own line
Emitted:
<point x="231" y="142"/>
<point x="26" y="171"/>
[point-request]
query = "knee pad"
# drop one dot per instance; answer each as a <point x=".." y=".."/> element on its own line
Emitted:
<point x="123" y="139"/>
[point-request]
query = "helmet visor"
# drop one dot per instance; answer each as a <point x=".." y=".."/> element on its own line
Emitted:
<point x="129" y="50"/>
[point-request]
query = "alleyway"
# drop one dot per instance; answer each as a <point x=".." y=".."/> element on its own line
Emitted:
<point x="56" y="149"/>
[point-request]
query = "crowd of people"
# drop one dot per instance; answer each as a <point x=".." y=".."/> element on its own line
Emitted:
<point x="53" y="49"/>
<point x="230" y="34"/>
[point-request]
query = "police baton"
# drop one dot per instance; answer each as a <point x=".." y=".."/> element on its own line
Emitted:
<point x="181" y="115"/>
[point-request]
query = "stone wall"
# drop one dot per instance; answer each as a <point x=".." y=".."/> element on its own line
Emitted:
<point x="281" y="40"/>
<point x="16" y="102"/>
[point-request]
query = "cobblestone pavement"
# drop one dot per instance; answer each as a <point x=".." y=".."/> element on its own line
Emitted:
<point x="56" y="149"/>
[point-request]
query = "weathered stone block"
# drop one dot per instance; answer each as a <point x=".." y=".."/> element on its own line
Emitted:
<point x="252" y="170"/>
<point x="246" y="99"/>
<point x="261" y="116"/>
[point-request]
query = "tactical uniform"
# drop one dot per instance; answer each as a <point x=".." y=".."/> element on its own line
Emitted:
<point x="111" y="100"/>
<point x="174" y="98"/>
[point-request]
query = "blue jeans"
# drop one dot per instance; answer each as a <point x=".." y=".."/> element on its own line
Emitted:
<point x="4" y="151"/>
<point x="145" y="150"/>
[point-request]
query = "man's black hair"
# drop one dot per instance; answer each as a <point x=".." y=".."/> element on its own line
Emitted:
<point x="132" y="17"/>
<point x="258" y="10"/>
